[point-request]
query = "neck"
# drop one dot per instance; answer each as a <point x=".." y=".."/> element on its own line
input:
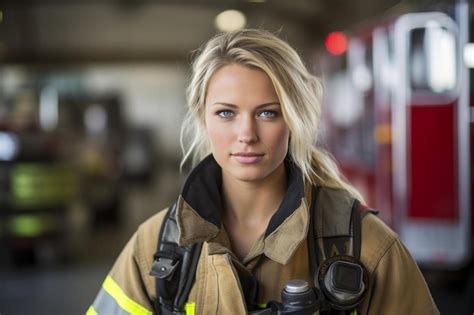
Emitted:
<point x="253" y="203"/>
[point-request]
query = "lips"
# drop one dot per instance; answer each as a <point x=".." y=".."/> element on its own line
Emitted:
<point x="247" y="157"/>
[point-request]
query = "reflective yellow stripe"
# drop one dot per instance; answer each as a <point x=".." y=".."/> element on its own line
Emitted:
<point x="262" y="305"/>
<point x="189" y="308"/>
<point x="91" y="311"/>
<point x="354" y="312"/>
<point x="122" y="299"/>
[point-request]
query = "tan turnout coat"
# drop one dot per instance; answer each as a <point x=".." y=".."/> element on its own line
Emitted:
<point x="396" y="285"/>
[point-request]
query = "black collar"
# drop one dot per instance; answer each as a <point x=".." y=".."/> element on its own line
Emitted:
<point x="202" y="192"/>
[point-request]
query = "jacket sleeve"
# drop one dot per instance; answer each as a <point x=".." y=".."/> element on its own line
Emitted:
<point x="396" y="283"/>
<point x="128" y="288"/>
<point x="122" y="291"/>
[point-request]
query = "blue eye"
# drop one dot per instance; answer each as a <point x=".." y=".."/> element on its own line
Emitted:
<point x="268" y="114"/>
<point x="225" y="114"/>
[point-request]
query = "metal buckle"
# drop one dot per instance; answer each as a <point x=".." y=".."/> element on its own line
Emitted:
<point x="163" y="268"/>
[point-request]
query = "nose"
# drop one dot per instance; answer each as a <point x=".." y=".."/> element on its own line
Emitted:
<point x="247" y="131"/>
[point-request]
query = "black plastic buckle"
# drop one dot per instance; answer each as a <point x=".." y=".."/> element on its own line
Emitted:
<point x="164" y="267"/>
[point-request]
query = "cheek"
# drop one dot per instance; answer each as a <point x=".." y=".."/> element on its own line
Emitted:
<point x="218" y="136"/>
<point x="278" y="139"/>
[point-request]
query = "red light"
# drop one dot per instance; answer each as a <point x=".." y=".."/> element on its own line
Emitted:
<point x="336" y="43"/>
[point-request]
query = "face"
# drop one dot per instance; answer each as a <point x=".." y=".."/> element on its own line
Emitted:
<point x="244" y="123"/>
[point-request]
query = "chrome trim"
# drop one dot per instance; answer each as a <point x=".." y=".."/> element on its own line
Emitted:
<point x="382" y="67"/>
<point x="462" y="15"/>
<point x="398" y="127"/>
<point x="383" y="81"/>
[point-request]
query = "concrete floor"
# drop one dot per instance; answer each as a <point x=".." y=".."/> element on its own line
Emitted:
<point x="59" y="289"/>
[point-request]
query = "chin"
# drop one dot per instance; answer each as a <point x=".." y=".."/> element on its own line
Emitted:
<point x="249" y="175"/>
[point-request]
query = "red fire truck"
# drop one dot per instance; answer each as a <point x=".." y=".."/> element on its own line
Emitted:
<point x="398" y="116"/>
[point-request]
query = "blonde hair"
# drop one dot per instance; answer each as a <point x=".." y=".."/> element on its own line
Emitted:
<point x="298" y="91"/>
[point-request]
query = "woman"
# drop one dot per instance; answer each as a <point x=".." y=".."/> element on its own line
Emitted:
<point x="252" y="127"/>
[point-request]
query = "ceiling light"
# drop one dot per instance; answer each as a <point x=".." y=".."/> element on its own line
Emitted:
<point x="230" y="20"/>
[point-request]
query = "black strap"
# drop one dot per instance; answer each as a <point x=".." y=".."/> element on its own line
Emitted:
<point x="314" y="243"/>
<point x="172" y="266"/>
<point x="355" y="232"/>
<point x="312" y="249"/>
<point x="186" y="279"/>
<point x="356" y="229"/>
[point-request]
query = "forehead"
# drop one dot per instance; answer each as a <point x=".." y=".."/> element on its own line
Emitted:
<point x="240" y="84"/>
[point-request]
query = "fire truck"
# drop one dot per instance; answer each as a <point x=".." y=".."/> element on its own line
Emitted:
<point x="398" y="116"/>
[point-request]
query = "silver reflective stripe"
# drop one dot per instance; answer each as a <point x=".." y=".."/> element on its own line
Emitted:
<point x="112" y="300"/>
<point x="105" y="304"/>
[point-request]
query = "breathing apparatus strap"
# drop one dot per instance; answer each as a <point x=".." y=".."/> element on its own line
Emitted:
<point x="172" y="267"/>
<point x="334" y="234"/>
<point x="312" y="249"/>
<point x="321" y="244"/>
<point x="356" y="219"/>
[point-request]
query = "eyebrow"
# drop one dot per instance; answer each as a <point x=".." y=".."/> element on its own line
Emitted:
<point x="235" y="106"/>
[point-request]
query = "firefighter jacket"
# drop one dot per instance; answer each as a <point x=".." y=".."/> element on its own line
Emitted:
<point x="396" y="285"/>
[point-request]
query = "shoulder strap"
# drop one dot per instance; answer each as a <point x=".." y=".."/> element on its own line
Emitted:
<point x="335" y="227"/>
<point x="172" y="266"/>
<point x="336" y="220"/>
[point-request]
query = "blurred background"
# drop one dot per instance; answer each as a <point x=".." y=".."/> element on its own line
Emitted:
<point x="92" y="94"/>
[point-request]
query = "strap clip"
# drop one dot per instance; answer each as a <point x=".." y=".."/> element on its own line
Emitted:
<point x="164" y="266"/>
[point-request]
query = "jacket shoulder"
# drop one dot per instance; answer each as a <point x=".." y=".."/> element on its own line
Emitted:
<point x="129" y="278"/>
<point x="333" y="207"/>
<point x="391" y="267"/>
<point x="153" y="224"/>
<point x="377" y="238"/>
<point x="145" y="247"/>
<point x="147" y="236"/>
